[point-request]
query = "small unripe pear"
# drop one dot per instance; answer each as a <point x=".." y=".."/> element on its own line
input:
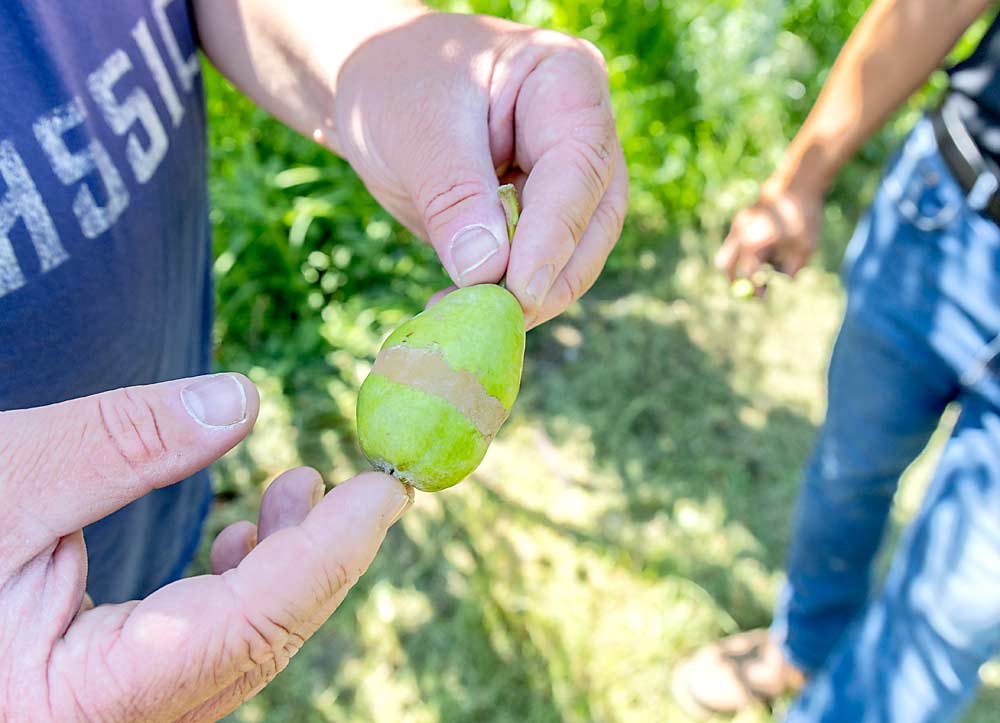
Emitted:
<point x="742" y="288"/>
<point x="443" y="383"/>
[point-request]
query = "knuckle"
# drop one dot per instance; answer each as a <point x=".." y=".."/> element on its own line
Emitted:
<point x="577" y="54"/>
<point x="248" y="684"/>
<point x="288" y="651"/>
<point x="597" y="127"/>
<point x="742" y="218"/>
<point x="336" y="579"/>
<point x="553" y="40"/>
<point x="279" y="631"/>
<point x="130" y="426"/>
<point x="573" y="225"/>
<point x="758" y="238"/>
<point x="574" y="284"/>
<point x="593" y="53"/>
<point x="590" y="160"/>
<point x="265" y="639"/>
<point x="440" y="205"/>
<point x="611" y="218"/>
<point x="578" y="74"/>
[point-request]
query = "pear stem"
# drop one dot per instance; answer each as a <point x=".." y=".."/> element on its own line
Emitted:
<point x="511" y="210"/>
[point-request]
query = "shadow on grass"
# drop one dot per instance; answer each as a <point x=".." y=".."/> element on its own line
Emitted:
<point x="663" y="418"/>
<point x="986" y="708"/>
<point x="502" y="673"/>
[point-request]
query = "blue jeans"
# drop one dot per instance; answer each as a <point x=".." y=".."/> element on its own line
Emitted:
<point x="920" y="331"/>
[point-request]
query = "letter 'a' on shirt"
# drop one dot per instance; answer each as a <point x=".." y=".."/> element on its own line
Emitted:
<point x="105" y="246"/>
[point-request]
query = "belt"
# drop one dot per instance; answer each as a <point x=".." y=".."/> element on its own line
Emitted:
<point x="977" y="174"/>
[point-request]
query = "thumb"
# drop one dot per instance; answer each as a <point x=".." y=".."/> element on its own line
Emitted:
<point x="70" y="464"/>
<point x="196" y="649"/>
<point x="456" y="196"/>
<point x="292" y="582"/>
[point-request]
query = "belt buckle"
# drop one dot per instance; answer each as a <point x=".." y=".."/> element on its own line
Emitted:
<point x="982" y="191"/>
<point x="986" y="184"/>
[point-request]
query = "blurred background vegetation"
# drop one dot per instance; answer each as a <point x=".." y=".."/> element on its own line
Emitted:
<point x="637" y="504"/>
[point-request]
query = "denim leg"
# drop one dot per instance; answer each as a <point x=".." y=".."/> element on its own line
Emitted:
<point x="915" y="655"/>
<point x="884" y="403"/>
<point x="888" y="384"/>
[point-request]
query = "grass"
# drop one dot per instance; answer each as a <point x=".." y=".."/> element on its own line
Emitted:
<point x="637" y="503"/>
<point x="635" y="506"/>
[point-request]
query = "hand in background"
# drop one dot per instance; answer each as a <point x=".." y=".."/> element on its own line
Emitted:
<point x="781" y="228"/>
<point x="195" y="649"/>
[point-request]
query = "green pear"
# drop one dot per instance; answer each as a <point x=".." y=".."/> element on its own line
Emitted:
<point x="742" y="289"/>
<point x="444" y="382"/>
<point x="441" y="386"/>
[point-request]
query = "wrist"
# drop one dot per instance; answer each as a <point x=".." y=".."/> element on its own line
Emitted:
<point x="806" y="171"/>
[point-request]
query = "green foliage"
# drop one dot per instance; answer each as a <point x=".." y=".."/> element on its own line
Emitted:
<point x="636" y="504"/>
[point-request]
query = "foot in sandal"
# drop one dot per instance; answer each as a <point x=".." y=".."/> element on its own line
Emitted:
<point x="732" y="674"/>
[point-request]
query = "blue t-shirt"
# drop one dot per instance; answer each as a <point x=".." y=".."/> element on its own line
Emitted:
<point x="105" y="251"/>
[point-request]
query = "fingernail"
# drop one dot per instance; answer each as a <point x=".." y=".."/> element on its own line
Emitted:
<point x="319" y="489"/>
<point x="217" y="401"/>
<point x="406" y="503"/>
<point x="472" y="247"/>
<point x="539" y="284"/>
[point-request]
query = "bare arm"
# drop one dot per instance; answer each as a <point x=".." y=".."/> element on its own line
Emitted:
<point x="286" y="56"/>
<point x="890" y="54"/>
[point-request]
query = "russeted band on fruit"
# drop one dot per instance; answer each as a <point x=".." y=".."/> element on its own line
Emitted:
<point x="428" y="371"/>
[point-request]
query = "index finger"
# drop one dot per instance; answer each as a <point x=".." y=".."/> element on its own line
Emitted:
<point x="66" y="465"/>
<point x="568" y="146"/>
<point x="727" y="255"/>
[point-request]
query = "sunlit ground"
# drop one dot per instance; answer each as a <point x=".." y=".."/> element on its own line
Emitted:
<point x="635" y="506"/>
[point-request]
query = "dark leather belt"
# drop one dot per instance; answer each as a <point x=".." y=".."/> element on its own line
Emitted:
<point x="977" y="174"/>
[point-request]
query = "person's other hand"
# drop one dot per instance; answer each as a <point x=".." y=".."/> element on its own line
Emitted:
<point x="433" y="112"/>
<point x="195" y="649"/>
<point x="781" y="228"/>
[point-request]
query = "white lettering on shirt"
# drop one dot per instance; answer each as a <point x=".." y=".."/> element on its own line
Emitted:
<point x="71" y="167"/>
<point x="22" y="201"/>
<point x="123" y="115"/>
<point x="150" y="53"/>
<point x="187" y="68"/>
<point x="91" y="166"/>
